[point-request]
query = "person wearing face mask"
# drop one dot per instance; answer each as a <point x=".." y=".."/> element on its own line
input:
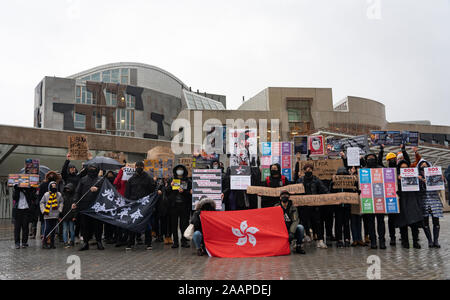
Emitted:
<point x="275" y="180"/>
<point x="70" y="173"/>
<point x="70" y="215"/>
<point x="89" y="187"/>
<point x="139" y="186"/>
<point x="51" y="205"/>
<point x="180" y="204"/>
<point x="295" y="229"/>
<point x="410" y="211"/>
<point x="431" y="206"/>
<point x="310" y="215"/>
<point x="43" y="188"/>
<point x="110" y="230"/>
<point x="372" y="163"/>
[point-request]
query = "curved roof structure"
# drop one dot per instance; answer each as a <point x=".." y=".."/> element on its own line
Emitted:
<point x="198" y="102"/>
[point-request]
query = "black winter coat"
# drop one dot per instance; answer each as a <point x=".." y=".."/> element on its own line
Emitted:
<point x="139" y="186"/>
<point x="83" y="187"/>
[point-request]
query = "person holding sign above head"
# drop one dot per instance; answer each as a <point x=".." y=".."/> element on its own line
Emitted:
<point x="179" y="192"/>
<point x="296" y="231"/>
<point x="311" y="214"/>
<point x="372" y="163"/>
<point x="24" y="200"/>
<point x="410" y="211"/>
<point x="432" y="206"/>
<point x="70" y="173"/>
<point x="275" y="180"/>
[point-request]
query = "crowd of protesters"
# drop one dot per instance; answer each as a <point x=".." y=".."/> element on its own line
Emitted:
<point x="61" y="197"/>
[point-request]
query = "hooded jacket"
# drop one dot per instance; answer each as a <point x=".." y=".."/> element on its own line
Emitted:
<point x="177" y="199"/>
<point x="201" y="205"/>
<point x="139" y="186"/>
<point x="377" y="162"/>
<point x="54" y="213"/>
<point x="69" y="199"/>
<point x="43" y="187"/>
<point x="71" y="178"/>
<point x="410" y="204"/>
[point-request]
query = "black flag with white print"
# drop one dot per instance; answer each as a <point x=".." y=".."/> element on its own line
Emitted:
<point x="112" y="208"/>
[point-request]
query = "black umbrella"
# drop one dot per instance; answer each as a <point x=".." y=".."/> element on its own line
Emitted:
<point x="43" y="170"/>
<point x="105" y="163"/>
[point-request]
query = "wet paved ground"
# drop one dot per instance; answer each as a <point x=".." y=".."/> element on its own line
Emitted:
<point x="166" y="263"/>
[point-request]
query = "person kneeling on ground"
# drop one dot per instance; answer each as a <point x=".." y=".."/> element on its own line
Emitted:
<point x="296" y="230"/>
<point x="203" y="205"/>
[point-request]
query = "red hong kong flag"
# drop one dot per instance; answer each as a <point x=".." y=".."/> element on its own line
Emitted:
<point x="247" y="233"/>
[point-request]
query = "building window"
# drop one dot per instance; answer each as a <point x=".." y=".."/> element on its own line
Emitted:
<point x="106" y="76"/>
<point x="131" y="101"/>
<point x="299" y="110"/>
<point x="124" y="120"/>
<point x="125" y="76"/>
<point x="294" y="115"/>
<point x="83" y="96"/>
<point x="95" y="77"/>
<point x="80" y="121"/>
<point x="111" y="98"/>
<point x="115" y="76"/>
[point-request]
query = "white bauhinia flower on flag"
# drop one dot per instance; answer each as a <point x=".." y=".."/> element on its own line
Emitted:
<point x="245" y="234"/>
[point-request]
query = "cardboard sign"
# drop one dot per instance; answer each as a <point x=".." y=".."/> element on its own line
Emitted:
<point x="379" y="191"/>
<point x="316" y="145"/>
<point x="78" y="147"/>
<point x="23" y="180"/>
<point x="207" y="183"/>
<point x="240" y="178"/>
<point x="434" y="179"/>
<point x="410" y="179"/>
<point x="323" y="169"/>
<point x="325" y="199"/>
<point x="32" y="166"/>
<point x="187" y="162"/>
<point x="275" y="192"/>
<point x="344" y="182"/>
<point x="353" y="159"/>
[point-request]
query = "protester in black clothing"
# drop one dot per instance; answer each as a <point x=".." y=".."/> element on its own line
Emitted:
<point x="69" y="215"/>
<point x="343" y="212"/>
<point x="310" y="215"/>
<point x="24" y="203"/>
<point x="410" y="211"/>
<point x="110" y="230"/>
<point x="70" y="173"/>
<point x="161" y="214"/>
<point x="275" y="180"/>
<point x="139" y="186"/>
<point x="86" y="192"/>
<point x="180" y="200"/>
<point x="203" y="205"/>
<point x="372" y="163"/>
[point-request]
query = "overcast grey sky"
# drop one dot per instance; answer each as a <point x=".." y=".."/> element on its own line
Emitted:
<point x="392" y="51"/>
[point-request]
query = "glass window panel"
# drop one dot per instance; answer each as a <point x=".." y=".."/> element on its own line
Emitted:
<point x="95" y="77"/>
<point x="87" y="78"/>
<point x="115" y="74"/>
<point x="106" y="76"/>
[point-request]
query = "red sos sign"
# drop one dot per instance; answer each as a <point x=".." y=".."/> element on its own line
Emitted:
<point x="433" y="169"/>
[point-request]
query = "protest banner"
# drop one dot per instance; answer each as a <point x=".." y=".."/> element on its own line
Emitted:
<point x="353" y="157"/>
<point x="240" y="178"/>
<point x="207" y="183"/>
<point x="275" y="192"/>
<point x="335" y="145"/>
<point x="301" y="145"/>
<point x="23" y="180"/>
<point x="316" y="145"/>
<point x="410" y="179"/>
<point x="325" y="199"/>
<point x="78" y="147"/>
<point x="344" y="182"/>
<point x="434" y="179"/>
<point x="379" y="191"/>
<point x="394" y="138"/>
<point x="323" y="169"/>
<point x="31" y="166"/>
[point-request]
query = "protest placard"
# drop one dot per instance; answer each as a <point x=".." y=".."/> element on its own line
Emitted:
<point x="434" y="179"/>
<point x="32" y="166"/>
<point x="344" y="182"/>
<point x="78" y="147"/>
<point x="353" y="157"/>
<point x="128" y="171"/>
<point x="323" y="169"/>
<point x="325" y="199"/>
<point x="410" y="179"/>
<point x="207" y="183"/>
<point x="301" y="145"/>
<point x="275" y="192"/>
<point x="23" y="180"/>
<point x="162" y="168"/>
<point x="240" y="178"/>
<point x="276" y="153"/>
<point x="336" y="145"/>
<point x="379" y="191"/>
<point x="394" y="138"/>
<point x="316" y="145"/>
